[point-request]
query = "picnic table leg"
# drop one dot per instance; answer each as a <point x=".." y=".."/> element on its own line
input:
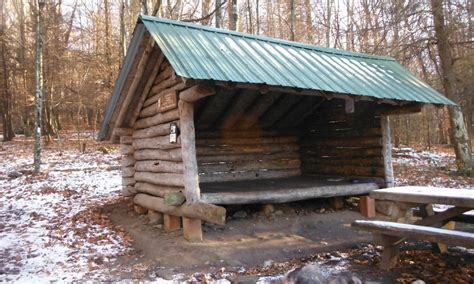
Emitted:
<point x="427" y="211"/>
<point x="390" y="251"/>
<point x="443" y="248"/>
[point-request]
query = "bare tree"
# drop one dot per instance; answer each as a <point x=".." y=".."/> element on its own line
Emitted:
<point x="6" y="106"/>
<point x="39" y="84"/>
<point x="458" y="127"/>
<point x="232" y="11"/>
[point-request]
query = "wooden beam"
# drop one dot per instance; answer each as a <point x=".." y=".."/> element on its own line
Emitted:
<point x="199" y="210"/>
<point x="188" y="150"/>
<point x="192" y="229"/>
<point x="171" y="223"/>
<point x="400" y="110"/>
<point x="197" y="92"/>
<point x="122" y="131"/>
<point x="387" y="151"/>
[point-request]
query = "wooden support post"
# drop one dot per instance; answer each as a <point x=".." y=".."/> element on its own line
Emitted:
<point x="192" y="229"/>
<point x="188" y="151"/>
<point x="337" y="202"/>
<point x="171" y="223"/>
<point x="367" y="206"/>
<point x="387" y="151"/>
<point x="390" y="252"/>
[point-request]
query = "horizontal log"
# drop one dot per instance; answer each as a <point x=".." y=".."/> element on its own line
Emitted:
<point x="341" y="142"/>
<point x="360" y="161"/>
<point x="250" y="166"/>
<point x="250" y="133"/>
<point x="127" y="140"/>
<point x="247" y="157"/>
<point x="344" y="133"/>
<point x="148" y="111"/>
<point x="199" y="210"/>
<point x="245" y="149"/>
<point x="128" y="172"/>
<point x="154" y="97"/>
<point x="130" y="181"/>
<point x="157" y="119"/>
<point x="159" y="142"/>
<point x="250" y="175"/>
<point x="158" y="130"/>
<point x="164" y="74"/>
<point x="197" y="92"/>
<point x="341" y="152"/>
<point x="342" y="170"/>
<point x="246" y="141"/>
<point x="128" y="191"/>
<point x="156" y="190"/>
<point x="157" y="154"/>
<point x="122" y="131"/>
<point x="159" y="166"/>
<point x="127" y="161"/>
<point x="160" y="178"/>
<point x="126" y="149"/>
<point x="165" y="84"/>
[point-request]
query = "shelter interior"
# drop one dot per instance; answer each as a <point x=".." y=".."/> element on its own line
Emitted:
<point x="255" y="146"/>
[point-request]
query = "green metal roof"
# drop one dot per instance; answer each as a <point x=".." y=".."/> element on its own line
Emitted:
<point x="201" y="52"/>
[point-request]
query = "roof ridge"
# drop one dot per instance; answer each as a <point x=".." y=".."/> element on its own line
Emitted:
<point x="297" y="44"/>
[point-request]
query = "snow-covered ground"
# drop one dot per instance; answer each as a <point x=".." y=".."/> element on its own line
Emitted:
<point x="49" y="227"/>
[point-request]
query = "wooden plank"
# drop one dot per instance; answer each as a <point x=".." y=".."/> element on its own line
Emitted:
<point x="427" y="195"/>
<point x="247" y="133"/>
<point x="417" y="232"/>
<point x="280" y="109"/>
<point x="442" y="216"/>
<point x="126" y="140"/>
<point x="387" y="151"/>
<point x="173" y="87"/>
<point x="198" y="210"/>
<point x="213" y="108"/>
<point x="304" y="108"/>
<point x="237" y="109"/>
<point x="332" y="161"/>
<point x="344" y="142"/>
<point x="276" y="191"/>
<point x="157" y="154"/>
<point x="188" y="150"/>
<point x="342" y="170"/>
<point x="342" y="152"/>
<point x="122" y="131"/>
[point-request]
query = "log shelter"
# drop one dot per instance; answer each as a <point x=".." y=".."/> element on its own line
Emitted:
<point x="221" y="117"/>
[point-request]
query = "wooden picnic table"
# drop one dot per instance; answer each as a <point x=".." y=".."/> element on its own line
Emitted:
<point x="398" y="201"/>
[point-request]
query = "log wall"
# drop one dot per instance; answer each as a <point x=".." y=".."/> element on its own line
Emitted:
<point x="233" y="155"/>
<point x="338" y="143"/>
<point x="158" y="167"/>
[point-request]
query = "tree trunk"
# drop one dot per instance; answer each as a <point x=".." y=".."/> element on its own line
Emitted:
<point x="232" y="11"/>
<point x="292" y="20"/>
<point x="458" y="130"/>
<point x="218" y="14"/>
<point x="39" y="85"/>
<point x="6" y="107"/>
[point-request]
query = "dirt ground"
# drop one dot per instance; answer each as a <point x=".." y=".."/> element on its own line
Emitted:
<point x="247" y="240"/>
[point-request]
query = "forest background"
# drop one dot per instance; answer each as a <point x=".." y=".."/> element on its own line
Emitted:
<point x="85" y="42"/>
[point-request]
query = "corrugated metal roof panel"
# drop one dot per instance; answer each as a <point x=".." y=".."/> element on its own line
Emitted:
<point x="201" y="52"/>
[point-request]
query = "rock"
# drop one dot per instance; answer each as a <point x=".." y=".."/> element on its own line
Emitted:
<point x="268" y="210"/>
<point x="267" y="263"/>
<point x="240" y="214"/>
<point x="279" y="213"/>
<point x="418" y="281"/>
<point x="14" y="174"/>
<point x="312" y="273"/>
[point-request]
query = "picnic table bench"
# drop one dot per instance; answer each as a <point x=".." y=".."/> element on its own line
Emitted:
<point x="399" y="201"/>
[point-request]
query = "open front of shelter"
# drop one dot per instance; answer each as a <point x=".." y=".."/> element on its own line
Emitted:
<point x="221" y="117"/>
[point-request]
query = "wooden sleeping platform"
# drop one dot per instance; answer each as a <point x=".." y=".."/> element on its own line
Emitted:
<point x="280" y="190"/>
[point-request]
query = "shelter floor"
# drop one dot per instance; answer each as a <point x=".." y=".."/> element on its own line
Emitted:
<point x="280" y="190"/>
<point x="250" y="237"/>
